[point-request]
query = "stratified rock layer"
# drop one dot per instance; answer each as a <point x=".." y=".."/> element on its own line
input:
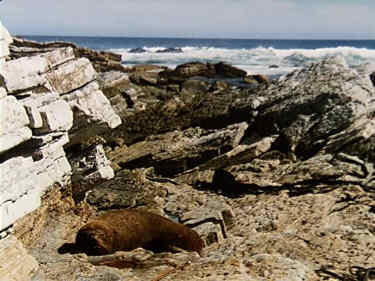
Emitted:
<point x="48" y="100"/>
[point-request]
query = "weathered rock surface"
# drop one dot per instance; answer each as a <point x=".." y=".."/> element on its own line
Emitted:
<point x="36" y="123"/>
<point x="13" y="124"/>
<point x="312" y="104"/>
<point x="176" y="152"/>
<point x="11" y="252"/>
<point x="92" y="112"/>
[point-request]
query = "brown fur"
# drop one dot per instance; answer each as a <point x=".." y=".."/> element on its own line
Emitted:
<point x="125" y="230"/>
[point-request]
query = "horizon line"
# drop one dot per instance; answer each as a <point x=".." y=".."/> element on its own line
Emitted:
<point x="201" y="38"/>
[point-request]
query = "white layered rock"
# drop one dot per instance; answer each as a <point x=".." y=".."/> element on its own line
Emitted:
<point x="92" y="107"/>
<point x="37" y="107"/>
<point x="5" y="40"/>
<point x="59" y="56"/>
<point x="71" y="75"/>
<point x="56" y="117"/>
<point x="26" y="73"/>
<point x="25" y="179"/>
<point x="13" y="123"/>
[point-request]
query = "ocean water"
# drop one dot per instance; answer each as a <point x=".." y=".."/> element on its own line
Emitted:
<point x="269" y="57"/>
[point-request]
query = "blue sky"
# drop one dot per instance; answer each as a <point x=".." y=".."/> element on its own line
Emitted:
<point x="326" y="19"/>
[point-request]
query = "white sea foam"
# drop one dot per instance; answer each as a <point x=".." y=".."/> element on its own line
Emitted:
<point x="256" y="60"/>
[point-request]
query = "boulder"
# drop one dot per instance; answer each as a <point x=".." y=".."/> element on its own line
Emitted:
<point x="137" y="51"/>
<point x="187" y="70"/>
<point x="228" y="71"/>
<point x="307" y="106"/>
<point x="170" y="50"/>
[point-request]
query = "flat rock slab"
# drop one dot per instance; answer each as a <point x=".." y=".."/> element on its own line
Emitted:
<point x="71" y="75"/>
<point x="175" y="152"/>
<point x="13" y="123"/>
<point x="24" y="73"/>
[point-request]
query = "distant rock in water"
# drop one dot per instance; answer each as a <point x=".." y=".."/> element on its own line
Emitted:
<point x="273" y="66"/>
<point x="170" y="50"/>
<point x="137" y="51"/>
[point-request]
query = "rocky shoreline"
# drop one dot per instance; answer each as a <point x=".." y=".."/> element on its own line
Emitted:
<point x="275" y="176"/>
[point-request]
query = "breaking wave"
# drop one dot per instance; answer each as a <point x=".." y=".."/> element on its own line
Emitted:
<point x="265" y="60"/>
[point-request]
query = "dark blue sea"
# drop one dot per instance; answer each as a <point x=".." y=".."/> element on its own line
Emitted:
<point x="270" y="57"/>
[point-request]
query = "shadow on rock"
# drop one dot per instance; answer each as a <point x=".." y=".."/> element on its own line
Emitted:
<point x="223" y="182"/>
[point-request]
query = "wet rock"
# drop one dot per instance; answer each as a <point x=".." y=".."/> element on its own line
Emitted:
<point x="170" y="50"/>
<point x="187" y="70"/>
<point x="137" y="51"/>
<point x="261" y="79"/>
<point x="229" y="71"/>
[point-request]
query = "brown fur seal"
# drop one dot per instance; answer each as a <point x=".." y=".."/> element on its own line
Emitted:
<point x="125" y="230"/>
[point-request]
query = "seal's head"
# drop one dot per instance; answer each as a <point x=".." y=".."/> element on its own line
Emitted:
<point x="96" y="238"/>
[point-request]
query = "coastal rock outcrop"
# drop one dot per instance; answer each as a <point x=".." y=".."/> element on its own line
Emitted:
<point x="277" y="178"/>
<point x="45" y="99"/>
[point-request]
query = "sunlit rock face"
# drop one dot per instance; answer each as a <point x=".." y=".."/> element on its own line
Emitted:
<point x="5" y="40"/>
